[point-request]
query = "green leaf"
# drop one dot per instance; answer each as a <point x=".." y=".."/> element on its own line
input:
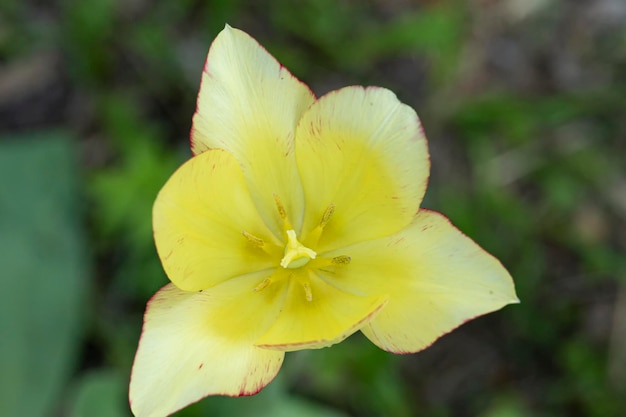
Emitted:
<point x="44" y="272"/>
<point x="274" y="400"/>
<point x="100" y="394"/>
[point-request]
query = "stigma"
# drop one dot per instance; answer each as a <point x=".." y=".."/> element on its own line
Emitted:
<point x="296" y="254"/>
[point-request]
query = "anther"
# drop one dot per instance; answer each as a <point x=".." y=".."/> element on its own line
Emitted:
<point x="258" y="242"/>
<point x="331" y="264"/>
<point x="282" y="213"/>
<point x="281" y="209"/>
<point x="341" y="260"/>
<point x="327" y="215"/>
<point x="314" y="235"/>
<point x="263" y="285"/>
<point x="307" y="291"/>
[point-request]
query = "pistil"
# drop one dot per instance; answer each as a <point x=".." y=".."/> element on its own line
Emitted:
<point x="296" y="254"/>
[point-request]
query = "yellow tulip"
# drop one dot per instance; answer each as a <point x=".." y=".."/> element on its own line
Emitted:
<point x="297" y="223"/>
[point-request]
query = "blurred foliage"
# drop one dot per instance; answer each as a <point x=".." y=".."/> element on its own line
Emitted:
<point x="524" y="104"/>
<point x="99" y="394"/>
<point x="44" y="265"/>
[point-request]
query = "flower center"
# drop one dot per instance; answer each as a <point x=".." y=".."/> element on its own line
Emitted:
<point x="296" y="254"/>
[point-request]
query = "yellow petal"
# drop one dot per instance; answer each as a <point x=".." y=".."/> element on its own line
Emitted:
<point x="436" y="278"/>
<point x="365" y="152"/>
<point x="199" y="218"/>
<point x="316" y="315"/>
<point x="199" y="344"/>
<point x="249" y="105"/>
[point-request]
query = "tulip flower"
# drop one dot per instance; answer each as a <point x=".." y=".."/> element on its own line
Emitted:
<point x="297" y="223"/>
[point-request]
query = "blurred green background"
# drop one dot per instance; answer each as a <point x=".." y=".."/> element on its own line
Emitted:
<point x="524" y="104"/>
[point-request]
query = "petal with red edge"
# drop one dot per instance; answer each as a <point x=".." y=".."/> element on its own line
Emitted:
<point x="250" y="105"/>
<point x="196" y="344"/>
<point x="436" y="279"/>
<point x="199" y="218"/>
<point x="363" y="151"/>
<point x="316" y="314"/>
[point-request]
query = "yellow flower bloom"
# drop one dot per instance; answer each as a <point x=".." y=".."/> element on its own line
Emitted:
<point x="296" y="224"/>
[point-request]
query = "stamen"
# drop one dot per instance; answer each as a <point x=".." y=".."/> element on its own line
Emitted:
<point x="341" y="260"/>
<point x="263" y="285"/>
<point x="281" y="209"/>
<point x="327" y="215"/>
<point x="256" y="241"/>
<point x="307" y="291"/>
<point x="314" y="236"/>
<point x="282" y="213"/>
<point x="331" y="264"/>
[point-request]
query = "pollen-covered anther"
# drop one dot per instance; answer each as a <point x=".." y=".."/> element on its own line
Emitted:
<point x="327" y="215"/>
<point x="308" y="294"/>
<point x="313" y="237"/>
<point x="263" y="285"/>
<point x="279" y="206"/>
<point x="282" y="213"/>
<point x="341" y="260"/>
<point x="296" y="254"/>
<point x="255" y="241"/>
<point x="331" y="264"/>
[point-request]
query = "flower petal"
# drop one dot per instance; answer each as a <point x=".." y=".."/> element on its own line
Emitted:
<point x="198" y="220"/>
<point x="327" y="317"/>
<point x="199" y="344"/>
<point x="365" y="152"/>
<point x="249" y="105"/>
<point x="436" y="277"/>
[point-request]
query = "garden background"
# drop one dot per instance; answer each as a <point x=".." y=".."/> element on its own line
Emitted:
<point x="524" y="104"/>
